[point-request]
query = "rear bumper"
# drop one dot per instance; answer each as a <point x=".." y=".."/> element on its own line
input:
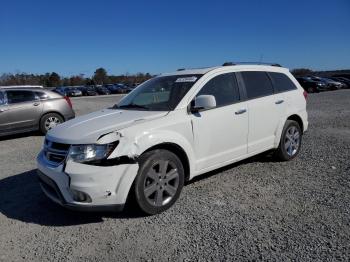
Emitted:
<point x="107" y="188"/>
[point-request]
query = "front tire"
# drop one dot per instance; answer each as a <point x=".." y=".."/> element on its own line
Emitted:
<point x="159" y="181"/>
<point x="49" y="121"/>
<point x="290" y="141"/>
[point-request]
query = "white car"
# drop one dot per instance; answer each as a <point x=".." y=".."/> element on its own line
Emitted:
<point x="167" y="131"/>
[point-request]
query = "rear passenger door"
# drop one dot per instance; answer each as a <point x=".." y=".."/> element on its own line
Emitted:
<point x="285" y="89"/>
<point x="264" y="108"/>
<point x="24" y="109"/>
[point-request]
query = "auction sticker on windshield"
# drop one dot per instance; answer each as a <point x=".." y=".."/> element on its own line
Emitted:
<point x="186" y="79"/>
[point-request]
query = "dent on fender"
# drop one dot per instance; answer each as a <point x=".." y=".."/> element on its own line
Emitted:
<point x="125" y="153"/>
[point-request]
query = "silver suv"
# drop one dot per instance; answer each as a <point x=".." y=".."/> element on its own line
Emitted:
<point x="23" y="110"/>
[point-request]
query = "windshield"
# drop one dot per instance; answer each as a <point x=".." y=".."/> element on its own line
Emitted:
<point x="159" y="94"/>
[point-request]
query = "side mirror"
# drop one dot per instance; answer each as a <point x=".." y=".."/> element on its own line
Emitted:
<point x="204" y="102"/>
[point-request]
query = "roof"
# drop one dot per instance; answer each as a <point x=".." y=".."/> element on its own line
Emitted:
<point x="22" y="86"/>
<point x="202" y="71"/>
<point x="191" y="71"/>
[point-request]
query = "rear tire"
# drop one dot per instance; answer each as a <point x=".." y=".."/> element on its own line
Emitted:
<point x="49" y="121"/>
<point x="290" y="141"/>
<point x="310" y="90"/>
<point x="159" y="181"/>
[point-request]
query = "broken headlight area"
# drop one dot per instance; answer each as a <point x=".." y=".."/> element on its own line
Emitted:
<point x="92" y="153"/>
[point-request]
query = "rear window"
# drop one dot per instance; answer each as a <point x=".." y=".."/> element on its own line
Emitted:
<point x="19" y="96"/>
<point x="282" y="82"/>
<point x="257" y="84"/>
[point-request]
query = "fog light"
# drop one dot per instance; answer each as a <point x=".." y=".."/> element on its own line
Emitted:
<point x="81" y="196"/>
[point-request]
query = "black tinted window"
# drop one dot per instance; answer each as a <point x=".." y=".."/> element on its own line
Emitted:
<point x="2" y="99"/>
<point x="282" y="82"/>
<point x="17" y="96"/>
<point x="224" y="88"/>
<point x="257" y="84"/>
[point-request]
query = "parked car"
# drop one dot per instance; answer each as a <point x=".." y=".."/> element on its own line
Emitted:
<point x="333" y="85"/>
<point x="88" y="91"/>
<point x="23" y="110"/>
<point x="312" y="86"/>
<point x="126" y="88"/>
<point x="171" y="129"/>
<point x="101" y="90"/>
<point x="116" y="89"/>
<point x="68" y="91"/>
<point x="343" y="80"/>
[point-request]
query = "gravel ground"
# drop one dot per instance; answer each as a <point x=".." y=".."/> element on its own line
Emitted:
<point x="257" y="209"/>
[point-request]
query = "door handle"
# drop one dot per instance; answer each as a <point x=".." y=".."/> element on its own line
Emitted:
<point x="241" y="111"/>
<point x="279" y="102"/>
<point x="3" y="110"/>
<point x="36" y="104"/>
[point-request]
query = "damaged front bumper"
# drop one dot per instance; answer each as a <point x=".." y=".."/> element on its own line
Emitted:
<point x="86" y="187"/>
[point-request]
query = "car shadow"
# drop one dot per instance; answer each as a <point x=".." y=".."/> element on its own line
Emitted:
<point x="21" y="199"/>
<point x="20" y="135"/>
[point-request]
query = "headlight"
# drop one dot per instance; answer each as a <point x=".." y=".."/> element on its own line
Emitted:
<point x="90" y="153"/>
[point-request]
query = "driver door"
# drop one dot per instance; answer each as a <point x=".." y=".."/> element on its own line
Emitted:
<point x="220" y="134"/>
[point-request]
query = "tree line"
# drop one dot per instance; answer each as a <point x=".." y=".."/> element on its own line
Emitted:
<point x="100" y="77"/>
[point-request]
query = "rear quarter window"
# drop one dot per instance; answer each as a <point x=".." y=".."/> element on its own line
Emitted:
<point x="281" y="82"/>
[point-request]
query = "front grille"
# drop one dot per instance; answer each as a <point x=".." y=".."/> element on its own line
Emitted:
<point x="54" y="152"/>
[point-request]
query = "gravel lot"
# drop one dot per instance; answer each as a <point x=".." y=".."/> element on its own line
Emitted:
<point x="257" y="209"/>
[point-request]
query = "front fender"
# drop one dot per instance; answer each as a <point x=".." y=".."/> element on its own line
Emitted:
<point x="133" y="148"/>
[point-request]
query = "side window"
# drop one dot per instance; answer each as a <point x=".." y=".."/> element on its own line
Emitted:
<point x="17" y="96"/>
<point x="224" y="88"/>
<point x="41" y="95"/>
<point x="2" y="98"/>
<point x="257" y="84"/>
<point x="282" y="82"/>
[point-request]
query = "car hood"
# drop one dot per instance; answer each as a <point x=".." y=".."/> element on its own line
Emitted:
<point x="88" y="128"/>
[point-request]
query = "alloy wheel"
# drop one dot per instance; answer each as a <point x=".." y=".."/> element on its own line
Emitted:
<point x="292" y="141"/>
<point x="52" y="122"/>
<point x="161" y="183"/>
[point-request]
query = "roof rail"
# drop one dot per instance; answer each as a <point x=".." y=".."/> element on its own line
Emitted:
<point x="22" y="86"/>
<point x="250" y="63"/>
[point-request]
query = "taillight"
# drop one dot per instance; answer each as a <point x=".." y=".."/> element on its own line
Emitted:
<point x="68" y="101"/>
<point x="305" y="94"/>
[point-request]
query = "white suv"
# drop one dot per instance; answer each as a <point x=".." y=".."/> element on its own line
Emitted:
<point x="168" y="130"/>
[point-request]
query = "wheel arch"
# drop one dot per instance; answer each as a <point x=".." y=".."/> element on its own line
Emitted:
<point x="52" y="112"/>
<point x="297" y="119"/>
<point x="178" y="151"/>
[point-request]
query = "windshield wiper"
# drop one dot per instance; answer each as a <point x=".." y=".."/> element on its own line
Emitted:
<point x="132" y="105"/>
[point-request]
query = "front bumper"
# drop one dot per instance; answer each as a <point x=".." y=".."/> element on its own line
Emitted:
<point x="107" y="187"/>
